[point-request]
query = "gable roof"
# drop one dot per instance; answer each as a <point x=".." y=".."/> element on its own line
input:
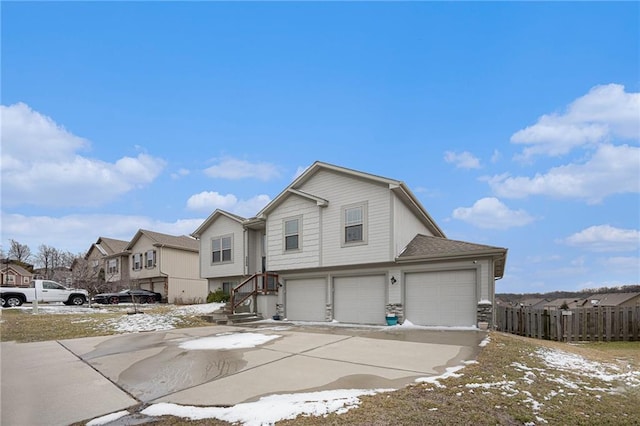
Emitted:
<point x="610" y="299"/>
<point x="212" y="218"/>
<point x="426" y="247"/>
<point x="17" y="269"/>
<point x="397" y="187"/>
<point x="164" y="240"/>
<point x="108" y="246"/>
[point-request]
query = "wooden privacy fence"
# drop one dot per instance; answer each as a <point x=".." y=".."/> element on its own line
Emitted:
<point x="588" y="324"/>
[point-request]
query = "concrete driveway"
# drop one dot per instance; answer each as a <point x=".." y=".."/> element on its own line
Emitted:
<point x="62" y="382"/>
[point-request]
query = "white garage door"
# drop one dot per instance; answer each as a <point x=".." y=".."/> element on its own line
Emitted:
<point x="305" y="299"/>
<point x="446" y="298"/>
<point x="360" y="300"/>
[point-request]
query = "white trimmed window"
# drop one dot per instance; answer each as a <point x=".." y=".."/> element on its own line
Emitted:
<point x="150" y="259"/>
<point x="292" y="234"/>
<point x="11" y="279"/>
<point x="112" y="266"/>
<point x="137" y="261"/>
<point x="354" y="224"/>
<point x="221" y="249"/>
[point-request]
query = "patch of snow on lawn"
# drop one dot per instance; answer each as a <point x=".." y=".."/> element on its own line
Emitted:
<point x="450" y="372"/>
<point x="202" y="309"/>
<point x="228" y="341"/>
<point x="108" y="418"/>
<point x="156" y="322"/>
<point x="572" y="362"/>
<point x="270" y="409"/>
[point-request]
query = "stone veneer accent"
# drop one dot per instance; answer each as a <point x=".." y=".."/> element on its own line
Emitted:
<point x="280" y="309"/>
<point x="397" y="309"/>
<point x="485" y="313"/>
<point x="328" y="312"/>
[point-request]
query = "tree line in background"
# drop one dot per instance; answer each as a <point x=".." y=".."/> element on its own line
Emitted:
<point x="58" y="265"/>
<point x="554" y="295"/>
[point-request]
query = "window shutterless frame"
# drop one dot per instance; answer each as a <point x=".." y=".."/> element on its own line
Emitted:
<point x="354" y="224"/>
<point x="292" y="234"/>
<point x="222" y="249"/>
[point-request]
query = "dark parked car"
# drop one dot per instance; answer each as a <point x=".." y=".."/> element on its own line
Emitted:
<point x="128" y="296"/>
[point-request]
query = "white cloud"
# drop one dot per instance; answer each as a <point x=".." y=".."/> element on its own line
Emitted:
<point x="208" y="201"/>
<point x="492" y="213"/>
<point x="604" y="113"/>
<point x="180" y="173"/>
<point x="605" y="238"/>
<point x="623" y="263"/>
<point x="611" y="170"/>
<point x="76" y="233"/>
<point x="41" y="165"/>
<point x="211" y="200"/>
<point x="462" y="160"/>
<point x="231" y="168"/>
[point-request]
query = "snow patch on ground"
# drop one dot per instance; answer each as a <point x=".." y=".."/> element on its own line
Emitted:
<point x="270" y="409"/>
<point x="108" y="418"/>
<point x="228" y="341"/>
<point x="601" y="371"/>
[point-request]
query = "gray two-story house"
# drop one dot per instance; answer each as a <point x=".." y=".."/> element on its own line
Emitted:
<point x="343" y="245"/>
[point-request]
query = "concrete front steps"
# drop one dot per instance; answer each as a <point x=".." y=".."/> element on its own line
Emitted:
<point x="224" y="318"/>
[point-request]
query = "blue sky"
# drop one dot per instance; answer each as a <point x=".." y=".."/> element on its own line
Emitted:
<point x="516" y="124"/>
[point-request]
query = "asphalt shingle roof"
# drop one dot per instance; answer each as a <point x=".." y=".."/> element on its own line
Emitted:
<point x="426" y="246"/>
<point x="181" y="242"/>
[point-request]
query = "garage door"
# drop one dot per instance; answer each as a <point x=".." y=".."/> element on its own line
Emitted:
<point x="305" y="299"/>
<point x="446" y="298"/>
<point x="360" y="300"/>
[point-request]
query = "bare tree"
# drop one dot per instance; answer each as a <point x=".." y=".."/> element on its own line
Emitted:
<point x="45" y="257"/>
<point x="19" y="252"/>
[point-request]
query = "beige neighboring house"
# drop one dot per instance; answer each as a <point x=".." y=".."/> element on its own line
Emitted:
<point x="556" y="304"/>
<point x="168" y="265"/>
<point x="12" y="275"/>
<point x="343" y="245"/>
<point x="613" y="299"/>
<point x="111" y="257"/>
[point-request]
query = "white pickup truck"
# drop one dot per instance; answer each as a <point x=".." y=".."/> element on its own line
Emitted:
<point x="44" y="291"/>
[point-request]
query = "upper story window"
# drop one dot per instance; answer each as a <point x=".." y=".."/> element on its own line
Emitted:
<point x="354" y="220"/>
<point x="221" y="248"/>
<point x="11" y="279"/>
<point x="112" y="266"/>
<point x="292" y="234"/>
<point x="137" y="262"/>
<point x="95" y="264"/>
<point x="150" y="259"/>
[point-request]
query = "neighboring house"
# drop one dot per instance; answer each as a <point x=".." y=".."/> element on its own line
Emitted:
<point x="352" y="247"/>
<point x="108" y="259"/>
<point x="556" y="304"/>
<point x="535" y="303"/>
<point x="613" y="299"/>
<point x="12" y="275"/>
<point x="168" y="265"/>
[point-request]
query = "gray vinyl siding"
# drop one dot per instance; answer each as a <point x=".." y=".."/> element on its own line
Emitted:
<point x="223" y="226"/>
<point x="308" y="255"/>
<point x="342" y="190"/>
<point x="406" y="226"/>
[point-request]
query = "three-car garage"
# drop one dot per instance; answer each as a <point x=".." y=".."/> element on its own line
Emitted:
<point x="432" y="298"/>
